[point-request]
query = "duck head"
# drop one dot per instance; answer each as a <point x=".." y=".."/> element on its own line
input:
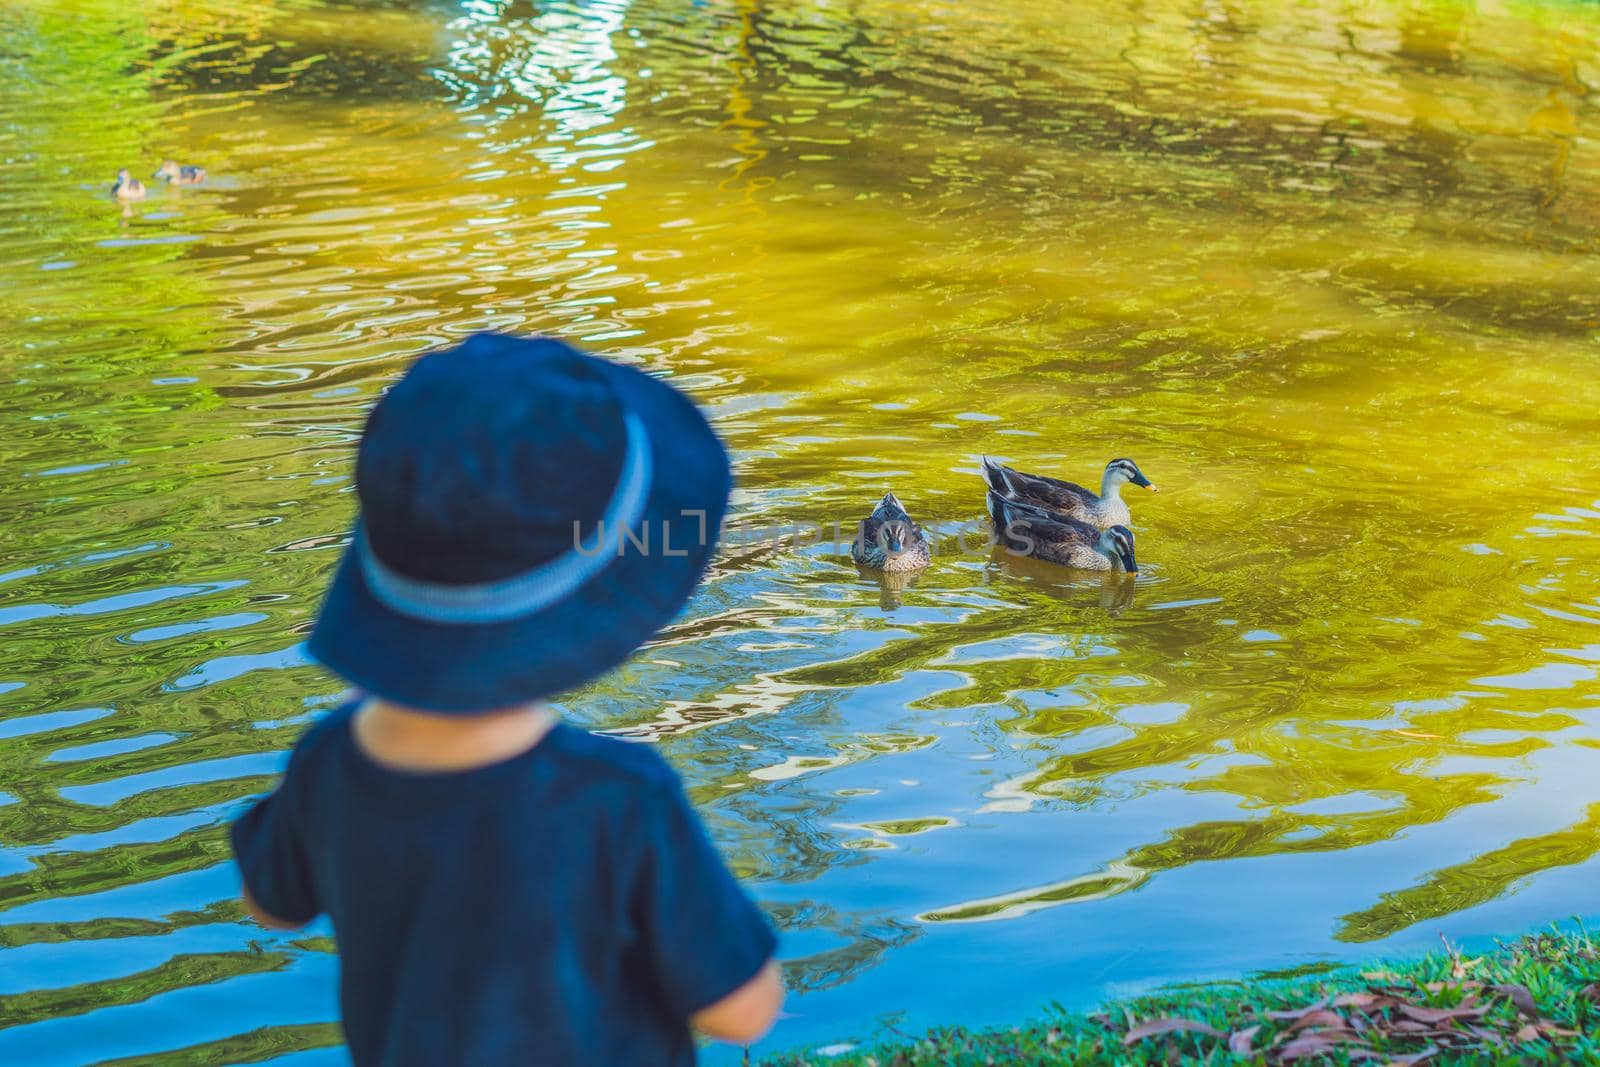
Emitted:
<point x="1117" y="543"/>
<point x="169" y="170"/>
<point x="896" y="528"/>
<point x="1119" y="472"/>
<point x="894" y="538"/>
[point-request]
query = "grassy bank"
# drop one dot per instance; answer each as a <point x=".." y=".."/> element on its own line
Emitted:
<point x="1535" y="1000"/>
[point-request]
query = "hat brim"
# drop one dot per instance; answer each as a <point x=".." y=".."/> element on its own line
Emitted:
<point x="469" y="668"/>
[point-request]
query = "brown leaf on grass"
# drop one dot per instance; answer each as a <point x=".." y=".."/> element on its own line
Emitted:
<point x="1308" y="1045"/>
<point x="1363" y="1001"/>
<point x="1591" y="992"/>
<point x="1552" y="1030"/>
<point x="1413" y="1059"/>
<point x="1493" y="1037"/>
<point x="1239" y="1042"/>
<point x="1152" y="1027"/>
<point x="1295" y="1013"/>
<point x="1339" y="1035"/>
<point x="1320" y="1017"/>
<point x="1527" y="1033"/>
<point x="1435" y="1016"/>
<point x="1520" y="997"/>
<point x="1406" y="1026"/>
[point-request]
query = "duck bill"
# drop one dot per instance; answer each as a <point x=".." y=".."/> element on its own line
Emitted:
<point x="1130" y="564"/>
<point x="1143" y="482"/>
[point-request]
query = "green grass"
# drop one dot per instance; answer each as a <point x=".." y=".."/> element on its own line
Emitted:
<point x="1535" y="1000"/>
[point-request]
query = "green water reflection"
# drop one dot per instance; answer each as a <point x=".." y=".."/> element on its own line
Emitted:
<point x="1328" y="271"/>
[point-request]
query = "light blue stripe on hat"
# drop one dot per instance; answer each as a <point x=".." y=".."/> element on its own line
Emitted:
<point x="522" y="594"/>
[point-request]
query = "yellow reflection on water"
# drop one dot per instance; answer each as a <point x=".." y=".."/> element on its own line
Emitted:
<point x="1327" y="271"/>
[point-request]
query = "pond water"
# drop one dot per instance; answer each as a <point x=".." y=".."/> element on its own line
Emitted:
<point x="1328" y="271"/>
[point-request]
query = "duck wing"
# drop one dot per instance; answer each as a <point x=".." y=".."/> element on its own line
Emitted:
<point x="1040" y="533"/>
<point x="1051" y="494"/>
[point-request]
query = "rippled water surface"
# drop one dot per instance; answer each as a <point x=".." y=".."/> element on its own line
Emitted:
<point x="1329" y="272"/>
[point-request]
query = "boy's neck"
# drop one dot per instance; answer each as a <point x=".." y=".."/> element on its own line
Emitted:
<point x="409" y="740"/>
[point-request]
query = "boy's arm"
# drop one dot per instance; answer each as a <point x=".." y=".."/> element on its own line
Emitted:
<point x="745" y="1015"/>
<point x="709" y="946"/>
<point x="267" y="919"/>
<point x="277" y="887"/>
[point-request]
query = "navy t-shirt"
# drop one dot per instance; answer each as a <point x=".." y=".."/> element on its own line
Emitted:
<point x="562" y="907"/>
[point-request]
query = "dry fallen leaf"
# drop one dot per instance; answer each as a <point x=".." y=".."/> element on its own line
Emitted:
<point x="1520" y="997"/>
<point x="1527" y="1033"/>
<point x="1308" y="1045"/>
<point x="1363" y="1001"/>
<point x="1435" y="1016"/>
<point x="1295" y="1013"/>
<point x="1239" y="1043"/>
<point x="1492" y="1037"/>
<point x="1413" y="1059"/>
<point x="1152" y="1027"/>
<point x="1319" y="1017"/>
<point x="1591" y="992"/>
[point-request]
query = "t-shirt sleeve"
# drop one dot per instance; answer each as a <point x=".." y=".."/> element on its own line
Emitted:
<point x="272" y="857"/>
<point x="704" y="936"/>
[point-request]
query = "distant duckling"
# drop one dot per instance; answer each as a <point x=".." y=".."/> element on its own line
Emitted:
<point x="1044" y="535"/>
<point x="127" y="187"/>
<point x="177" y="174"/>
<point x="889" y="541"/>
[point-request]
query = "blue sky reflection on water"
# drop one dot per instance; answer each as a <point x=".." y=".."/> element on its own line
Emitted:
<point x="1325" y="272"/>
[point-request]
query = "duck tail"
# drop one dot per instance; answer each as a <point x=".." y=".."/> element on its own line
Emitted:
<point x="890" y="507"/>
<point x="997" y="512"/>
<point x="997" y="477"/>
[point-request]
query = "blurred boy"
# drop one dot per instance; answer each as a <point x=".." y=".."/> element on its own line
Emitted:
<point x="507" y="889"/>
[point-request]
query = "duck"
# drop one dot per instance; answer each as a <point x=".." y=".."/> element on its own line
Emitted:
<point x="889" y="541"/>
<point x="1065" y="498"/>
<point x="127" y="187"/>
<point x="180" y="174"/>
<point x="1040" y="534"/>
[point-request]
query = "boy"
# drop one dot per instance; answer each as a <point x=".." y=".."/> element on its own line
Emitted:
<point x="506" y="889"/>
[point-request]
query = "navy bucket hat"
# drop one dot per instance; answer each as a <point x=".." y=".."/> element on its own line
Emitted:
<point x="529" y="516"/>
